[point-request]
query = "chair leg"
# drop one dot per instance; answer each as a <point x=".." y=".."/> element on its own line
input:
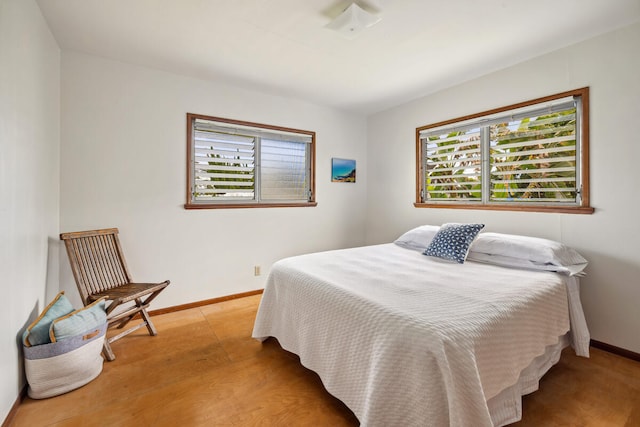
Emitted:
<point x="147" y="319"/>
<point x="106" y="350"/>
<point x="121" y="322"/>
<point x="142" y="309"/>
<point x="124" y="321"/>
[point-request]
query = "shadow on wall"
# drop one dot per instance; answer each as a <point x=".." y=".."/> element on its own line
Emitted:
<point x="32" y="316"/>
<point x="66" y="281"/>
<point x="51" y="282"/>
<point x="53" y="270"/>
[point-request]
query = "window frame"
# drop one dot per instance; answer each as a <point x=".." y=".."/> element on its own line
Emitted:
<point x="583" y="149"/>
<point x="226" y="204"/>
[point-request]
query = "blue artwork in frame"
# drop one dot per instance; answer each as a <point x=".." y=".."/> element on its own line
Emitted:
<point x="343" y="170"/>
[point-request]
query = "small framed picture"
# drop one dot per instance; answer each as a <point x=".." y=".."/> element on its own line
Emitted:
<point x="343" y="170"/>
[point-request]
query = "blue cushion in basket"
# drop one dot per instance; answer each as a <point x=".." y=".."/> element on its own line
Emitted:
<point x="85" y="319"/>
<point x="38" y="332"/>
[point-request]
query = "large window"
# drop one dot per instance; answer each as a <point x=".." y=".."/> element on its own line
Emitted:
<point x="529" y="156"/>
<point x="235" y="164"/>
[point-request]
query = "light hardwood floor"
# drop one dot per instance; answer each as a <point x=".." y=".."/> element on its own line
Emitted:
<point x="203" y="369"/>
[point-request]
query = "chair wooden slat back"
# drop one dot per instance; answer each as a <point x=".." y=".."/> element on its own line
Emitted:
<point x="97" y="261"/>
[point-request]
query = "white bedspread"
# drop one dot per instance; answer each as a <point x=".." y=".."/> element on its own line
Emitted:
<point x="407" y="340"/>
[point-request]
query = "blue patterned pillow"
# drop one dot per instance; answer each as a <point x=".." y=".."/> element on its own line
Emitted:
<point x="452" y="241"/>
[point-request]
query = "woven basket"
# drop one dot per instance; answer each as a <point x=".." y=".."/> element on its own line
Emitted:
<point x="65" y="365"/>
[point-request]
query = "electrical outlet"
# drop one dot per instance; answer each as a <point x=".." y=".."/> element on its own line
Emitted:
<point x="256" y="270"/>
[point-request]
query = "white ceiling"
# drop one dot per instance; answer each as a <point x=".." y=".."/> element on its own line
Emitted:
<point x="282" y="47"/>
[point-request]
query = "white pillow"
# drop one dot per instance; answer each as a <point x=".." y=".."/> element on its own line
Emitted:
<point x="540" y="252"/>
<point x="507" y="261"/>
<point x="418" y="238"/>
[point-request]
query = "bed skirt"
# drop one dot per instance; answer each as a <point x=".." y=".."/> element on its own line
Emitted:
<point x="506" y="407"/>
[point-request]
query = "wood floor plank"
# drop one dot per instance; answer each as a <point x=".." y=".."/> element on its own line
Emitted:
<point x="204" y="369"/>
<point x="600" y="391"/>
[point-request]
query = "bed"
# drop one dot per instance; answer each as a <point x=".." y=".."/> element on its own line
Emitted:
<point x="407" y="339"/>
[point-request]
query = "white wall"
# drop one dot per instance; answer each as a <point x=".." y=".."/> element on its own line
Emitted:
<point x="123" y="165"/>
<point x="610" y="66"/>
<point x="29" y="180"/>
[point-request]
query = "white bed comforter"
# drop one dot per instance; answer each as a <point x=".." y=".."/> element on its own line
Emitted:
<point x="407" y="340"/>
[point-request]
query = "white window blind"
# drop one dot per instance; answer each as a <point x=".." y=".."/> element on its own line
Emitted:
<point x="224" y="166"/>
<point x="453" y="165"/>
<point x="284" y="170"/>
<point x="528" y="155"/>
<point x="238" y="163"/>
<point x="534" y="159"/>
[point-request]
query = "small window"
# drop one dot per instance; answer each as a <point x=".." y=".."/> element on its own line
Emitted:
<point x="530" y="156"/>
<point x="236" y="164"/>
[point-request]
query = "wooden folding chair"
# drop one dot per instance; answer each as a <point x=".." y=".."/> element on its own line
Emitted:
<point x="100" y="270"/>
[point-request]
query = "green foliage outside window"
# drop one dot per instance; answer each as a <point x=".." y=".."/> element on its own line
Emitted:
<point x="531" y="159"/>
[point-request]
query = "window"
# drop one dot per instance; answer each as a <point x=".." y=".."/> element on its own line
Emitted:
<point x="235" y="164"/>
<point x="529" y="156"/>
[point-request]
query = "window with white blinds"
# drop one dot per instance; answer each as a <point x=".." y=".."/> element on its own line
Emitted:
<point x="453" y="165"/>
<point x="530" y="155"/>
<point x="241" y="164"/>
